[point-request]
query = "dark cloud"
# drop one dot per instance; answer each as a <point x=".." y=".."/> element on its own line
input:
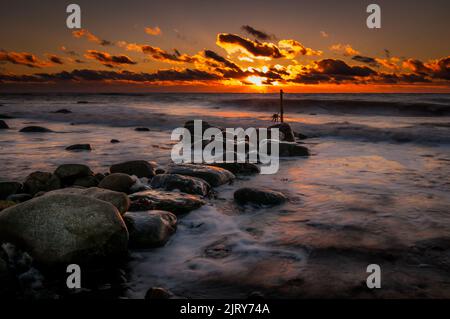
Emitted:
<point x="108" y="59"/>
<point x="216" y="57"/>
<point x="55" y="59"/>
<point x="159" y="54"/>
<point x="340" y="68"/>
<point x="260" y="35"/>
<point x="438" y="69"/>
<point x="367" y="60"/>
<point x="254" y="48"/>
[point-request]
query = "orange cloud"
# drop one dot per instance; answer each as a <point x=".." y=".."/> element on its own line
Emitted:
<point x="153" y="31"/>
<point x="345" y="49"/>
<point x="91" y="37"/>
<point x="22" y="58"/>
<point x="108" y="59"/>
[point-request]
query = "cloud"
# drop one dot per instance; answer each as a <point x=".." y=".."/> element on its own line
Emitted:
<point x="367" y="60"/>
<point x="324" y="34"/>
<point x="158" y="54"/>
<point x="345" y="49"/>
<point x="68" y="52"/>
<point x="22" y="58"/>
<point x="260" y="35"/>
<point x="55" y="59"/>
<point x="291" y="48"/>
<point x="217" y="58"/>
<point x="108" y="59"/>
<point x="439" y="69"/>
<point x="153" y="31"/>
<point x="91" y="37"/>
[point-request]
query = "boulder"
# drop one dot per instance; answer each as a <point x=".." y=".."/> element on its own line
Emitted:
<point x="35" y="129"/>
<point x="239" y="168"/>
<point x="258" y="196"/>
<point x="186" y="184"/>
<point x="4" y="204"/>
<point x="142" y="129"/>
<point x="177" y="203"/>
<point x="62" y="111"/>
<point x="137" y="168"/>
<point x="19" y="198"/>
<point x="9" y="188"/>
<point x="114" y="141"/>
<point x="79" y="147"/>
<point x="62" y="229"/>
<point x="8" y="283"/>
<point x="87" y="181"/>
<point x="119" y="200"/>
<point x="300" y="136"/>
<point x="150" y="229"/>
<point x="118" y="182"/>
<point x="3" y="125"/>
<point x="189" y="125"/>
<point x="288" y="149"/>
<point x="156" y="293"/>
<point x="68" y="173"/>
<point x="215" y="176"/>
<point x="41" y="181"/>
<point x="286" y="130"/>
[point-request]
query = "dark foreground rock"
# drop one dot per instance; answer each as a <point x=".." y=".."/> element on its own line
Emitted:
<point x="68" y="173"/>
<point x="79" y="147"/>
<point x="8" y="284"/>
<point x="88" y="181"/>
<point x="215" y="176"/>
<point x="258" y="196"/>
<point x="186" y="184"/>
<point x="239" y="168"/>
<point x="118" y="182"/>
<point x="3" y="125"/>
<point x="41" y="182"/>
<point x="9" y="188"/>
<point x="288" y="149"/>
<point x="4" y="204"/>
<point x="177" y="203"/>
<point x="286" y="132"/>
<point x="114" y="141"/>
<point x="156" y="293"/>
<point x="151" y="228"/>
<point x="19" y="198"/>
<point x="35" y="129"/>
<point x="142" y="129"/>
<point x="137" y="168"/>
<point x="62" y="229"/>
<point x="119" y="200"/>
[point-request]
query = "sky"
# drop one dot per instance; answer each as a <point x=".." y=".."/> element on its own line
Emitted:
<point x="225" y="46"/>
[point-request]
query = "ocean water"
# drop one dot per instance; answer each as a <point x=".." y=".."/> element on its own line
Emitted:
<point x="375" y="191"/>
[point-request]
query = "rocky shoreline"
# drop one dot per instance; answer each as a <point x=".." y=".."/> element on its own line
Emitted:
<point x="75" y="216"/>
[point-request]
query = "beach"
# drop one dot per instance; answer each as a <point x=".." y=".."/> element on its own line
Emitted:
<point x="374" y="190"/>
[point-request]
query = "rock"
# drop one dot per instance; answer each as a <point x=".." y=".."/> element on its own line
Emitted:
<point x="142" y="129"/>
<point x="215" y="176"/>
<point x="160" y="171"/>
<point x="82" y="102"/>
<point x="4" y="116"/>
<point x="258" y="196"/>
<point x="63" y="111"/>
<point x="68" y="173"/>
<point x="88" y="181"/>
<point x="9" y="188"/>
<point x="8" y="283"/>
<point x="4" y="204"/>
<point x="3" y="125"/>
<point x="119" y="200"/>
<point x="62" y="229"/>
<point x="35" y="129"/>
<point x="114" y="141"/>
<point x="150" y="229"/>
<point x="158" y="293"/>
<point x="19" y="198"/>
<point x="239" y="168"/>
<point x="137" y="168"/>
<point x="186" y="184"/>
<point x="79" y="147"/>
<point x="286" y="130"/>
<point x="189" y="125"/>
<point x="41" y="181"/>
<point x="293" y="149"/>
<point x="300" y="136"/>
<point x="118" y="182"/>
<point x="177" y="203"/>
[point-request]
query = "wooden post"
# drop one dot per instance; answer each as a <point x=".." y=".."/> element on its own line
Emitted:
<point x="281" y="107"/>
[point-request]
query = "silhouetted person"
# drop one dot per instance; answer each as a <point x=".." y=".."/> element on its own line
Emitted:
<point x="275" y="117"/>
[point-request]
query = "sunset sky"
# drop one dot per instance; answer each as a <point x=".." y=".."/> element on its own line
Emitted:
<point x="225" y="46"/>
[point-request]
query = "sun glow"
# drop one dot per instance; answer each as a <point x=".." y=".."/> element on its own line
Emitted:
<point x="256" y="80"/>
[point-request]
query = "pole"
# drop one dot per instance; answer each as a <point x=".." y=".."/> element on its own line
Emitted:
<point x="281" y="107"/>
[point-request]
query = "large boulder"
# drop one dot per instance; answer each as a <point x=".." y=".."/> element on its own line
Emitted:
<point x="4" y="204"/>
<point x="286" y="130"/>
<point x="239" y="168"/>
<point x="3" y="125"/>
<point x="258" y="196"/>
<point x="68" y="173"/>
<point x="118" y="182"/>
<point x="186" y="184"/>
<point x="62" y="229"/>
<point x="41" y="182"/>
<point x="9" y="188"/>
<point x="177" y="203"/>
<point x="189" y="125"/>
<point x="87" y="181"/>
<point x="215" y="176"/>
<point x="151" y="228"/>
<point x="118" y="199"/>
<point x="137" y="168"/>
<point x="35" y="129"/>
<point x="287" y="149"/>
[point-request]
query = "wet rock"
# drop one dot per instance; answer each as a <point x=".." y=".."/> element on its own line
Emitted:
<point x="189" y="125"/>
<point x="82" y="102"/>
<point x="142" y="129"/>
<point x="215" y="176"/>
<point x="35" y="129"/>
<point x="300" y="136"/>
<point x="19" y="198"/>
<point x="177" y="203"/>
<point x="258" y="196"/>
<point x="9" y="188"/>
<point x="114" y="141"/>
<point x="150" y="229"/>
<point x="137" y="168"/>
<point x="41" y="181"/>
<point x="4" y="204"/>
<point x="3" y="125"/>
<point x="4" y="116"/>
<point x="119" y="200"/>
<point x="88" y="181"/>
<point x="288" y="149"/>
<point x="79" y="147"/>
<point x="186" y="184"/>
<point x="158" y="293"/>
<point x="118" y="182"/>
<point x="286" y="130"/>
<point x="239" y="168"/>
<point x="63" y="111"/>
<point x="160" y="171"/>
<point x="68" y="173"/>
<point x="62" y="229"/>
<point x="8" y="283"/>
